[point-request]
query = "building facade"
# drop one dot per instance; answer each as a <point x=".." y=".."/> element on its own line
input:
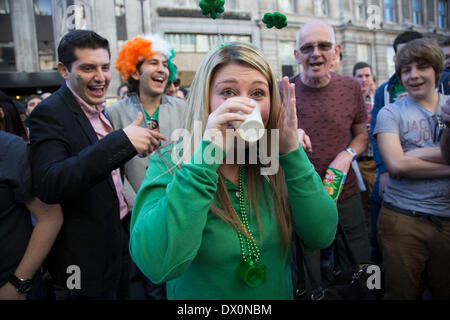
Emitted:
<point x="366" y="30"/>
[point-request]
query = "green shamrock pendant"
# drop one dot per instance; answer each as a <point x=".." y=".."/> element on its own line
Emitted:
<point x="251" y="272"/>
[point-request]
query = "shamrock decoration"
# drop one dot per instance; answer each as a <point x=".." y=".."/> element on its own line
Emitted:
<point x="275" y="19"/>
<point x="212" y="7"/>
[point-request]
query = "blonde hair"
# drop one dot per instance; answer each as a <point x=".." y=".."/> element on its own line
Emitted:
<point x="199" y="109"/>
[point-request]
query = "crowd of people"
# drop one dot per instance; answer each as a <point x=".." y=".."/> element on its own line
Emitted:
<point x="159" y="196"/>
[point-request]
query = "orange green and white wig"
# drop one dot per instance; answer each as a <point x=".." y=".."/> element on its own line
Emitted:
<point x="142" y="48"/>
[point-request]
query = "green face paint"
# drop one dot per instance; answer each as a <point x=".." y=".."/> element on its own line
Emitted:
<point x="79" y="78"/>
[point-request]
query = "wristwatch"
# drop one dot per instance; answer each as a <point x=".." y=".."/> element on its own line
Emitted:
<point x="352" y="152"/>
<point x="21" y="285"/>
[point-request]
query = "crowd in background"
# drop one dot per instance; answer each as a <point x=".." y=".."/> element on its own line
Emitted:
<point x="84" y="184"/>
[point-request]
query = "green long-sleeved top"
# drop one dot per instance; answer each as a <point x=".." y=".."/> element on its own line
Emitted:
<point x="176" y="238"/>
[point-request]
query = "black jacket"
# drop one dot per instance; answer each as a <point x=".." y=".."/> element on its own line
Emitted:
<point x="72" y="167"/>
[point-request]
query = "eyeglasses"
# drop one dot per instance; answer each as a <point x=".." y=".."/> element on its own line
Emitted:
<point x="176" y="83"/>
<point x="309" y="47"/>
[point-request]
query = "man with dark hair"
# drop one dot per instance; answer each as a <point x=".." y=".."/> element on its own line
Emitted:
<point x="362" y="72"/>
<point x="147" y="81"/>
<point x="146" y="64"/>
<point x="75" y="159"/>
<point x="32" y="102"/>
<point x="79" y="40"/>
<point x="172" y="87"/>
<point x="387" y="93"/>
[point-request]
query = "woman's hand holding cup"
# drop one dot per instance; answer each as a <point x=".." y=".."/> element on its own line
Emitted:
<point x="233" y="109"/>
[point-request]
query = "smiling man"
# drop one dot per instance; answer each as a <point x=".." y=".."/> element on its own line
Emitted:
<point x="414" y="221"/>
<point x="75" y="158"/>
<point x="145" y="62"/>
<point x="330" y="107"/>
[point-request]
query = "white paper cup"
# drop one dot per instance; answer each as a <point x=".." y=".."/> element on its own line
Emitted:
<point x="252" y="129"/>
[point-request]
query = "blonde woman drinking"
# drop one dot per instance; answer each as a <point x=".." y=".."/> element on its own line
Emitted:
<point x="221" y="230"/>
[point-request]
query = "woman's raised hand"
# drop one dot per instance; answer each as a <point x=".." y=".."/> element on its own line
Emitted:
<point x="288" y="119"/>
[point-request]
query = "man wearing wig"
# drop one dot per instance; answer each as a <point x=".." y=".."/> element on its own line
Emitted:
<point x="145" y="63"/>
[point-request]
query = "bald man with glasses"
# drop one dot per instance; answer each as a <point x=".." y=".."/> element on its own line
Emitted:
<point x="331" y="111"/>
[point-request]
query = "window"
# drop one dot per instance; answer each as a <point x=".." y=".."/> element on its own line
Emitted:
<point x="182" y="42"/>
<point x="360" y="9"/>
<point x="119" y="7"/>
<point x="186" y="42"/>
<point x="417" y="16"/>
<point x="230" y="5"/>
<point x="363" y="53"/>
<point x="188" y="3"/>
<point x="47" y="59"/>
<point x="389" y="11"/>
<point x="7" y="58"/>
<point x="442" y="14"/>
<point x="44" y="34"/>
<point x="288" y="63"/>
<point x="321" y="8"/>
<point x="121" y="22"/>
<point x="4" y="7"/>
<point x="230" y="38"/>
<point x="43" y="7"/>
<point x="287" y="6"/>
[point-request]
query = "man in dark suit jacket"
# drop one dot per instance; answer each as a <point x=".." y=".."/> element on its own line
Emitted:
<point x="75" y="158"/>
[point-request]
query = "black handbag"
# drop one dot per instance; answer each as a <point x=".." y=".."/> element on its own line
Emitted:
<point x="345" y="284"/>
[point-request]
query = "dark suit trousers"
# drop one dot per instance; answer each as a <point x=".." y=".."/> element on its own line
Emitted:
<point x="115" y="291"/>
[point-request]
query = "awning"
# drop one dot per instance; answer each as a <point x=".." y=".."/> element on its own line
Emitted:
<point x="9" y="80"/>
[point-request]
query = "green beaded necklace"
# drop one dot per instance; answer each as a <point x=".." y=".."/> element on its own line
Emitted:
<point x="250" y="270"/>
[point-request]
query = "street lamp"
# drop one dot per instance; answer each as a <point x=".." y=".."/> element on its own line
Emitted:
<point x="142" y="15"/>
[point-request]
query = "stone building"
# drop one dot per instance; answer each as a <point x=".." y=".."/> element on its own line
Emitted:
<point x="366" y="29"/>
